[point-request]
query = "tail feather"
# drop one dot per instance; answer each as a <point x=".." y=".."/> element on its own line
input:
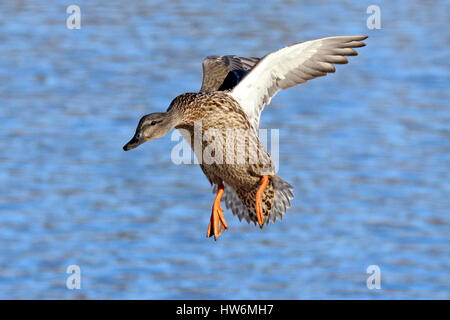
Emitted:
<point x="282" y="198"/>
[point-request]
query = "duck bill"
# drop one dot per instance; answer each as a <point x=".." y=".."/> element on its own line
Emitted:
<point x="133" y="143"/>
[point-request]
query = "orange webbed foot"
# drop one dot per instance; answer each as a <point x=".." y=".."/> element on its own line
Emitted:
<point x="217" y="223"/>
<point x="258" y="205"/>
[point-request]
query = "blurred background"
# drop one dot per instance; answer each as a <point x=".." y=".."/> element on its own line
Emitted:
<point x="367" y="150"/>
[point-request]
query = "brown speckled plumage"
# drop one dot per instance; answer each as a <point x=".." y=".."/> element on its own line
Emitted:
<point x="218" y="110"/>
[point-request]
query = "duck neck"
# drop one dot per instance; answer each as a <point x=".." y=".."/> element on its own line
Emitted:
<point x="173" y="119"/>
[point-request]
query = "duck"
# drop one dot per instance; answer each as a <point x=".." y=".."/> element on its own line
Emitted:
<point x="234" y="92"/>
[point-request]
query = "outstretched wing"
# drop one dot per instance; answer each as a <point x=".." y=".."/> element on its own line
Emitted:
<point x="290" y="66"/>
<point x="224" y="72"/>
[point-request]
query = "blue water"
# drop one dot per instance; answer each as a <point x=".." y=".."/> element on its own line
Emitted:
<point x="367" y="150"/>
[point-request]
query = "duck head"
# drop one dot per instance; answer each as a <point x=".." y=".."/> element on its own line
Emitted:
<point x="150" y="127"/>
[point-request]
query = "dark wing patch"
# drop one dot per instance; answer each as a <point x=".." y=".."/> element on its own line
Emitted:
<point x="232" y="79"/>
<point x="225" y="72"/>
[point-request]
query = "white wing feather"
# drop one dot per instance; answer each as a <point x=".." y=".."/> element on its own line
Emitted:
<point x="288" y="67"/>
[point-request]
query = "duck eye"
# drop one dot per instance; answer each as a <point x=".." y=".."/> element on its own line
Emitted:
<point x="153" y="123"/>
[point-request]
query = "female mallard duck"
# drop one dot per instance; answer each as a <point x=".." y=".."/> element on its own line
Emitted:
<point x="233" y="94"/>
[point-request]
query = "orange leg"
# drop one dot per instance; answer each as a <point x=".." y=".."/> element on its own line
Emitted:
<point x="259" y="194"/>
<point x="217" y="223"/>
